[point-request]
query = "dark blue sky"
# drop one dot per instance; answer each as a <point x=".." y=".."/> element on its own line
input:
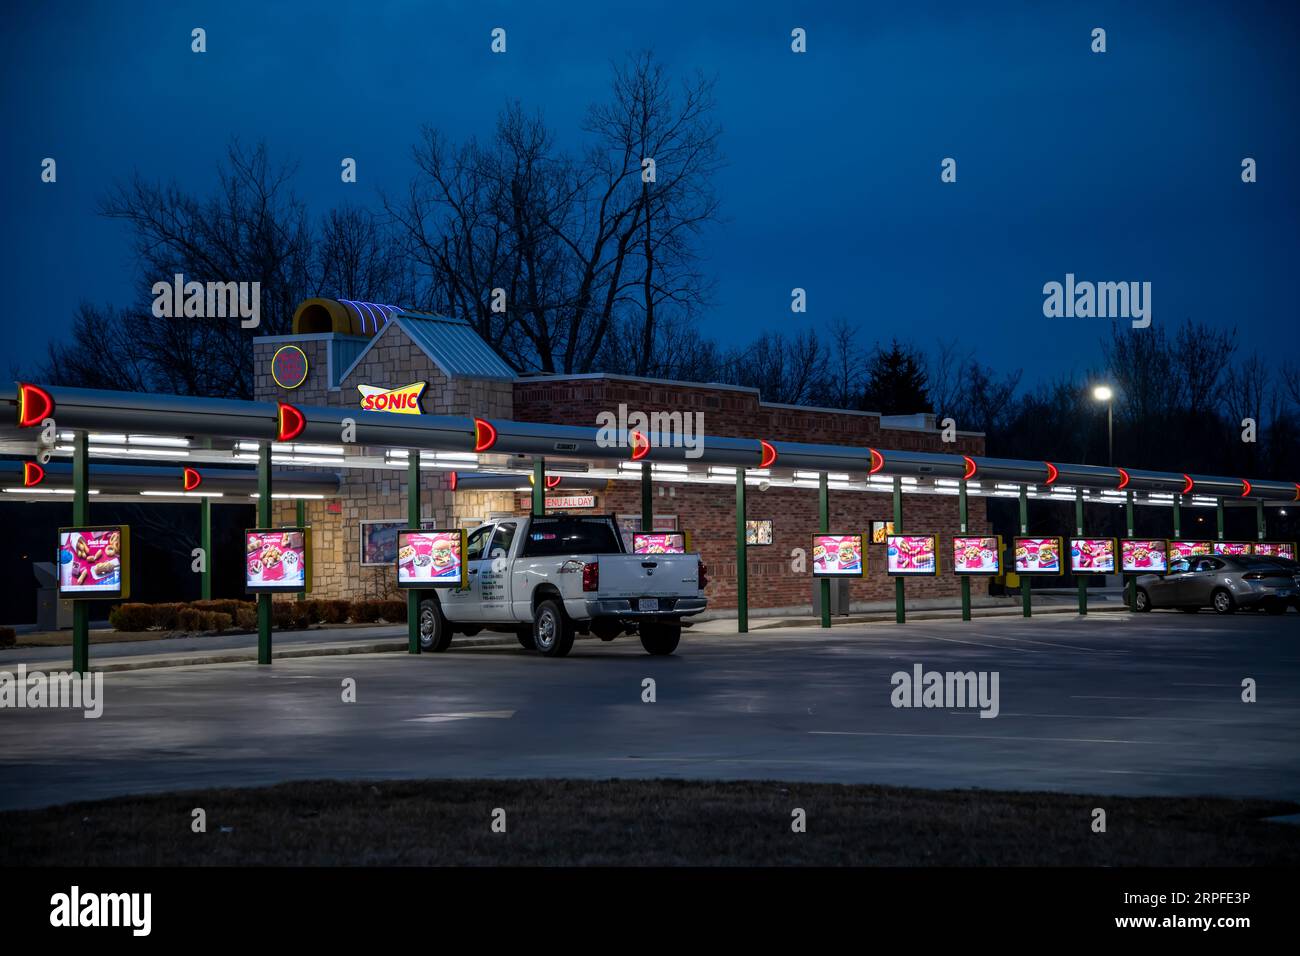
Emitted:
<point x="1122" y="166"/>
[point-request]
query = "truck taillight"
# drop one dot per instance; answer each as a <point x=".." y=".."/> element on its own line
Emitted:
<point x="703" y="575"/>
<point x="591" y="576"/>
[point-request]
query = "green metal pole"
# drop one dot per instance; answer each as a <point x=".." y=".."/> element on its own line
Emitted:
<point x="963" y="516"/>
<point x="1261" y="526"/>
<point x="301" y="518"/>
<point x="1219" y="516"/>
<point x="413" y="521"/>
<point x="1078" y="530"/>
<point x="539" y="487"/>
<point x="205" y="543"/>
<point x="1130" y="586"/>
<point x="80" y="518"/>
<point x="900" y="600"/>
<point x="742" y="572"/>
<point x="1178" y="517"/>
<point x="264" y="521"/>
<point x="647" y="498"/>
<point x="1025" y="603"/>
<point x="824" y="523"/>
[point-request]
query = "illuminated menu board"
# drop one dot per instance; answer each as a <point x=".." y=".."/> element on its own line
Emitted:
<point x="1092" y="555"/>
<point x="276" y="560"/>
<point x="1144" y="555"/>
<point x="838" y="556"/>
<point x="912" y="554"/>
<point x="94" y="562"/>
<point x="1037" y="555"/>
<point x="431" y="559"/>
<point x="976" y="554"/>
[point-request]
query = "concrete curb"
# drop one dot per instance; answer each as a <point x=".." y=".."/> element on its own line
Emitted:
<point x="394" y="646"/>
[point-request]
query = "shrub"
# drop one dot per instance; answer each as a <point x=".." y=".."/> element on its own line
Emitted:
<point x="8" y="637"/>
<point x="365" y="612"/>
<point x="291" y="615"/>
<point x="392" y="611"/>
<point x="189" y="619"/>
<point x="336" y="612"/>
<point x="246" y="618"/>
<point x="223" y="606"/>
<point x="218" y="621"/>
<point x="167" y="617"/>
<point x="132" y="617"/>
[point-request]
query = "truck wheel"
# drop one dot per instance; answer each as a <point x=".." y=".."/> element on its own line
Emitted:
<point x="660" y="639"/>
<point x="525" y="635"/>
<point x="552" y="629"/>
<point x="435" y="632"/>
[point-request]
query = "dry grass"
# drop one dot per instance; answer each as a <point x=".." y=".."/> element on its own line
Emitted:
<point x="652" y="822"/>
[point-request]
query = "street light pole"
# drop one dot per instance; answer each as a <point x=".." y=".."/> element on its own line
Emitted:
<point x="1104" y="393"/>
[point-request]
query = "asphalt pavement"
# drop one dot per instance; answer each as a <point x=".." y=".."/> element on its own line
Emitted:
<point x="1111" y="703"/>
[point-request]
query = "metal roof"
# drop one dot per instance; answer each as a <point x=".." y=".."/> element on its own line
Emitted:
<point x="451" y="344"/>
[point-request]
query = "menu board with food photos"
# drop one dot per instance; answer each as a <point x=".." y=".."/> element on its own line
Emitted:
<point x="666" y="542"/>
<point x="758" y="532"/>
<point x="431" y="559"/>
<point x="1144" y="555"/>
<point x="1188" y="549"/>
<point x="1092" y="555"/>
<point x="977" y="554"/>
<point x="1275" y="549"/>
<point x="838" y="556"/>
<point x="276" y="560"/>
<point x="1037" y="555"/>
<point x="880" y="530"/>
<point x="912" y="554"/>
<point x="94" y="562"/>
<point x="1234" y="549"/>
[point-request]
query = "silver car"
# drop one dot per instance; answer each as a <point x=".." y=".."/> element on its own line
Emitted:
<point x="1222" y="582"/>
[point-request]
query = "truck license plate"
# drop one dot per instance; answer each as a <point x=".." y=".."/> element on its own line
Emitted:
<point x="648" y="604"/>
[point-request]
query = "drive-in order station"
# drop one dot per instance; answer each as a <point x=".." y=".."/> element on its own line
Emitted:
<point x="382" y="437"/>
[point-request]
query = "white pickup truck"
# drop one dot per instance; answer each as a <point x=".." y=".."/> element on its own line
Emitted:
<point x="546" y="579"/>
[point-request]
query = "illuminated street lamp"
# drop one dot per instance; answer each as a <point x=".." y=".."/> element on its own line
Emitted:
<point x="1104" y="393"/>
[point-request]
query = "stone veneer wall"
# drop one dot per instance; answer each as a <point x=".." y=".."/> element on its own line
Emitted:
<point x="376" y="494"/>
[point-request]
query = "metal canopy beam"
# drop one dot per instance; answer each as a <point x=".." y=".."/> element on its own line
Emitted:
<point x="102" y="410"/>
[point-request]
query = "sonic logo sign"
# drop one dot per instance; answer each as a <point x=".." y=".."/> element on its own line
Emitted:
<point x="403" y="401"/>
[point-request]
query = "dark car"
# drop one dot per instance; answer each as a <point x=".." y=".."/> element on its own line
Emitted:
<point x="1222" y="582"/>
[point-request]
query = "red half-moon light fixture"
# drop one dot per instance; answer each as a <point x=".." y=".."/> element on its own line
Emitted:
<point x="1297" y="490"/>
<point x="485" y="435"/>
<point x="1187" y="488"/>
<point x="640" y="445"/>
<point x="33" y="474"/>
<point x="970" y="467"/>
<point x="1123" y="479"/>
<point x="877" y="461"/>
<point x="192" y="479"/>
<point x="1245" y="488"/>
<point x="34" y="405"/>
<point x="290" y="423"/>
<point x="769" y="454"/>
<point x="1052" y="473"/>
<point x="552" y="481"/>
<point x="452" y="478"/>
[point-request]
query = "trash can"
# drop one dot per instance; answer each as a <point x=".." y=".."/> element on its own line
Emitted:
<point x="51" y="613"/>
<point x="839" y="590"/>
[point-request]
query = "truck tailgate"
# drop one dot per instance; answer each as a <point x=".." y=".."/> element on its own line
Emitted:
<point x="649" y="575"/>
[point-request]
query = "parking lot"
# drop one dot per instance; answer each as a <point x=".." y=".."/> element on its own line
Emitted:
<point x="1112" y="703"/>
